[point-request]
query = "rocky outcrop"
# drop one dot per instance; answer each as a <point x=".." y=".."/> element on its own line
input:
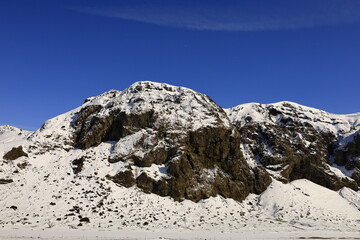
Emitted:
<point x="173" y="141"/>
<point x="349" y="156"/>
<point x="293" y="142"/>
<point x="180" y="129"/>
<point x="15" y="153"/>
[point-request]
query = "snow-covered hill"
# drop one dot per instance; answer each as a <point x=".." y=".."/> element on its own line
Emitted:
<point x="279" y="113"/>
<point x="156" y="156"/>
<point x="294" y="141"/>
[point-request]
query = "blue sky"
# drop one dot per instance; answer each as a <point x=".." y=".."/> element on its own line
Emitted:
<point x="54" y="54"/>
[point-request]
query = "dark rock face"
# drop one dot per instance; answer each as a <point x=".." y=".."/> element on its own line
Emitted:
<point x="293" y="149"/>
<point x="15" y="153"/>
<point x="349" y="156"/>
<point x="78" y="165"/>
<point x="125" y="178"/>
<point x="200" y="162"/>
<point x="211" y="164"/>
<point x="208" y="149"/>
<point x="93" y="130"/>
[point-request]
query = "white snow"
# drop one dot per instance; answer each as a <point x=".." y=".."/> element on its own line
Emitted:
<point x="351" y="196"/>
<point x="11" y="137"/>
<point x="156" y="172"/>
<point x="340" y="171"/>
<point x="176" y="106"/>
<point x="320" y="120"/>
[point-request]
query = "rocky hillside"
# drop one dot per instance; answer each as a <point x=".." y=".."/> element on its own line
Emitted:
<point x="294" y="142"/>
<point x="164" y="139"/>
<point x="169" y="141"/>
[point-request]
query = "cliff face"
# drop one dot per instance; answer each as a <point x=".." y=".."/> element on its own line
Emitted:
<point x="183" y="136"/>
<point x="167" y="140"/>
<point x="294" y="142"/>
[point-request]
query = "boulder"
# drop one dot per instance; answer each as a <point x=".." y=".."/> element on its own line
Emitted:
<point x="15" y="153"/>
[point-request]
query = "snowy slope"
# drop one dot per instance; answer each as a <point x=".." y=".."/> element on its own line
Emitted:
<point x="175" y="106"/>
<point x="322" y="121"/>
<point x="12" y="137"/>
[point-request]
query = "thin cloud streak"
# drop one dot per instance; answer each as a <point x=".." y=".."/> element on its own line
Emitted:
<point x="239" y="17"/>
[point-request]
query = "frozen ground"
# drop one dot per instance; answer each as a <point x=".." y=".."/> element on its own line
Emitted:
<point x="299" y="210"/>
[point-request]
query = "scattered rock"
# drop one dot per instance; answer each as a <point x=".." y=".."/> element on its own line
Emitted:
<point x="78" y="165"/>
<point x="85" y="219"/>
<point x="6" y="181"/>
<point x="14" y="207"/>
<point x="15" y="153"/>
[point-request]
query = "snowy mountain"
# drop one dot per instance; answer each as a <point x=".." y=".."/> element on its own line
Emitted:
<point x="160" y="156"/>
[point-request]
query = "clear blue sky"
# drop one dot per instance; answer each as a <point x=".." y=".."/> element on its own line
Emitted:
<point x="54" y="54"/>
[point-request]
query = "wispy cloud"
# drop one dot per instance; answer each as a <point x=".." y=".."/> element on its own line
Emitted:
<point x="237" y="15"/>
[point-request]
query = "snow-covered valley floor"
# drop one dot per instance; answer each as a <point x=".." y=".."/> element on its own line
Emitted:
<point x="299" y="210"/>
<point x="259" y="231"/>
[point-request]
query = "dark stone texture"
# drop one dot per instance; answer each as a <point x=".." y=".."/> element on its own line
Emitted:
<point x="78" y="165"/>
<point x="6" y="181"/>
<point x="125" y="178"/>
<point x="277" y="147"/>
<point x="349" y="156"/>
<point x="200" y="164"/>
<point x="15" y="153"/>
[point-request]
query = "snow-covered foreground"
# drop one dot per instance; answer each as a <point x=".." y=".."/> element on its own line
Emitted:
<point x="299" y="210"/>
<point x="263" y="231"/>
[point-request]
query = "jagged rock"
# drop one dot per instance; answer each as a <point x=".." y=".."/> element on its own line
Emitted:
<point x="349" y="155"/>
<point x="15" y="153"/>
<point x="161" y="124"/>
<point x="125" y="178"/>
<point x="78" y="165"/>
<point x="294" y="142"/>
<point x="13" y="207"/>
<point x="262" y="179"/>
<point x="23" y="165"/>
<point x="356" y="175"/>
<point x="6" y="181"/>
<point x="85" y="219"/>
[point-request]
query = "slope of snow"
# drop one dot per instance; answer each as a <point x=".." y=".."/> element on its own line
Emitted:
<point x="305" y="203"/>
<point x="178" y="106"/>
<point x="56" y="132"/>
<point x="351" y="196"/>
<point x="12" y="137"/>
<point x="47" y="195"/>
<point x="320" y="120"/>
